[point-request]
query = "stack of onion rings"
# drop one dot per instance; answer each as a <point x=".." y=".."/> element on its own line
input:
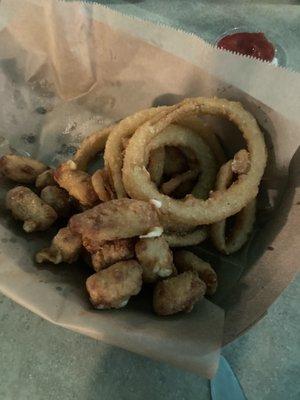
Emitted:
<point x="193" y="211"/>
<point x="136" y="159"/>
<point x="244" y="220"/>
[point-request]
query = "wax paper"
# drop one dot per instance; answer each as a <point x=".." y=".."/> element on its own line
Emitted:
<point x="68" y="69"/>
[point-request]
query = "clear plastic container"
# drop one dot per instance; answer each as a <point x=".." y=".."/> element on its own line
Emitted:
<point x="280" y="57"/>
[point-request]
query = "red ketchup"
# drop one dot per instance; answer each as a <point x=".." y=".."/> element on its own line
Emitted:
<point x="251" y="44"/>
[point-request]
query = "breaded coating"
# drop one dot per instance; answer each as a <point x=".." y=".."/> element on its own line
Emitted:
<point x="187" y="261"/>
<point x="175" y="161"/>
<point x="21" y="169"/>
<point x="179" y="293"/>
<point x="45" y="179"/>
<point x="241" y="162"/>
<point x="57" y="198"/>
<point x="65" y="247"/>
<point x="77" y="183"/>
<point x="101" y="185"/>
<point x="155" y="257"/>
<point x="113" y="286"/>
<point x="115" y="219"/>
<point x="28" y="207"/>
<point x="178" y="180"/>
<point x="156" y="165"/>
<point x="111" y="252"/>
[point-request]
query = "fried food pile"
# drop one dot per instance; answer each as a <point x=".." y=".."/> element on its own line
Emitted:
<point x="166" y="183"/>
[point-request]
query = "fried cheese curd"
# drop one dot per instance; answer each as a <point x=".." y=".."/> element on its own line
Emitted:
<point x="116" y="219"/>
<point x="178" y="293"/>
<point x="113" y="286"/>
<point x="26" y="206"/>
<point x="112" y="251"/>
<point x="155" y="257"/>
<point x="21" y="169"/>
<point x="65" y="247"/>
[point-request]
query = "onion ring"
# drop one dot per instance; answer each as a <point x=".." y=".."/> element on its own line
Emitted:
<point x="184" y="189"/>
<point x="175" y="161"/>
<point x="241" y="162"/>
<point x="190" y="141"/>
<point x="171" y="185"/>
<point x="101" y="185"/>
<point x="243" y="223"/>
<point x="207" y="134"/>
<point x="156" y="165"/>
<point x="176" y="239"/>
<point x="113" y="155"/>
<point x="123" y="131"/>
<point x="192" y="211"/>
<point x="90" y="146"/>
